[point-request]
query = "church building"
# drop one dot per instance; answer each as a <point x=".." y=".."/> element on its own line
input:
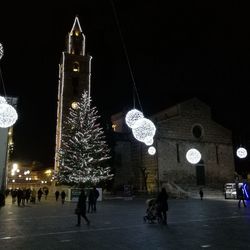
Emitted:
<point x="179" y="128"/>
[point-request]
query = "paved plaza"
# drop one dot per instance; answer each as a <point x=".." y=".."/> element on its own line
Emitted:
<point x="118" y="224"/>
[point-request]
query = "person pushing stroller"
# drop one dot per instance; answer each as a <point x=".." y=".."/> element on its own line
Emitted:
<point x="152" y="211"/>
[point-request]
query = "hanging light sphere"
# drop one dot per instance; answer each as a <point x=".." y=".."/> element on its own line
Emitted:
<point x="132" y="116"/>
<point x="149" y="140"/>
<point x="8" y="115"/>
<point x="1" y="51"/>
<point x="193" y="156"/>
<point x="241" y="152"/>
<point x="151" y="150"/>
<point x="143" y="128"/>
<point x="2" y="100"/>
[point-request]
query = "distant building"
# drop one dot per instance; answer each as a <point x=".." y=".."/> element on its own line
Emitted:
<point x="24" y="174"/>
<point x="179" y="128"/>
<point x="74" y="78"/>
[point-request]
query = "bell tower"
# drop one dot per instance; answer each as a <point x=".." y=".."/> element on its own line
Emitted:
<point x="74" y="78"/>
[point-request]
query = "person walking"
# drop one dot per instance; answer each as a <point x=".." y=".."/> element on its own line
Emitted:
<point x="241" y="197"/>
<point x="33" y="196"/>
<point x="19" y="196"/>
<point x="162" y="201"/>
<point x="57" y="195"/>
<point x="81" y="209"/>
<point x="63" y="195"/>
<point x="46" y="193"/>
<point x="95" y="196"/>
<point x="39" y="194"/>
<point x="91" y="201"/>
<point x="201" y="194"/>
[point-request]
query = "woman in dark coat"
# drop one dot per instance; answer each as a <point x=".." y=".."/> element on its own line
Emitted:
<point x="81" y="209"/>
<point x="162" y="201"/>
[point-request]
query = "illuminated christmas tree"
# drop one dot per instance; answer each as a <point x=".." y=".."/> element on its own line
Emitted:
<point x="84" y="152"/>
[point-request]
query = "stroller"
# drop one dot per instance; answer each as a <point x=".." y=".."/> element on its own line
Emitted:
<point x="152" y="212"/>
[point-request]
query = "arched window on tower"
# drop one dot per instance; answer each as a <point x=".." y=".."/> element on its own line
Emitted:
<point x="76" y="67"/>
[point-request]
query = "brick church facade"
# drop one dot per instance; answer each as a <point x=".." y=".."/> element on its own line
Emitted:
<point x="179" y="128"/>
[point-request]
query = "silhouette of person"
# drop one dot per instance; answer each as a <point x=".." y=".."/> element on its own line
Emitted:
<point x="201" y="194"/>
<point x="63" y="195"/>
<point x="81" y="207"/>
<point x="162" y="201"/>
<point x="39" y="194"/>
<point x="241" y="197"/>
<point x="91" y="201"/>
<point x="57" y="193"/>
<point x="95" y="196"/>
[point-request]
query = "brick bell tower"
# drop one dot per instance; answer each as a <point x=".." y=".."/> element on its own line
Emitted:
<point x="74" y="78"/>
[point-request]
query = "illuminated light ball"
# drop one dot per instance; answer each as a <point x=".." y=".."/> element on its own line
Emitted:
<point x="132" y="116"/>
<point x="2" y="100"/>
<point x="151" y="150"/>
<point x="193" y="156"/>
<point x="143" y="129"/>
<point x="74" y="105"/>
<point x="8" y="115"/>
<point x="1" y="51"/>
<point x="241" y="152"/>
<point x="149" y="141"/>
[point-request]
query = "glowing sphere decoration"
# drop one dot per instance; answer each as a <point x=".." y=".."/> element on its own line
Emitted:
<point x="2" y="100"/>
<point x="8" y="115"/>
<point x="132" y="116"/>
<point x="149" y="141"/>
<point x="1" y="51"/>
<point x="143" y="128"/>
<point x="151" y="150"/>
<point x="193" y="156"/>
<point x="241" y="152"/>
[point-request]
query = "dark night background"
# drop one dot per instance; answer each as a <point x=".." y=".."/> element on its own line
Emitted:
<point x="177" y="50"/>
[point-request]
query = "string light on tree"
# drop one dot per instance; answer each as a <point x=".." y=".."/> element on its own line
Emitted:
<point x="193" y="156"/>
<point x="132" y="116"/>
<point x="1" y="51"/>
<point x="151" y="150"/>
<point x="241" y="152"/>
<point x="8" y="115"/>
<point x="143" y="128"/>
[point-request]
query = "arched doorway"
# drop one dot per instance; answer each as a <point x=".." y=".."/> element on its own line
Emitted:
<point x="200" y="173"/>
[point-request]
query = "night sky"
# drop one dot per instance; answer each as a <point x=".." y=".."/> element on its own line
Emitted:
<point x="177" y="50"/>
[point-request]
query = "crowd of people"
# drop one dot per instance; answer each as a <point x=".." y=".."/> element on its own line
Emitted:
<point x="87" y="201"/>
<point x="22" y="196"/>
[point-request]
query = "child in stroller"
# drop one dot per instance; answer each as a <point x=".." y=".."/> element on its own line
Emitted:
<point x="152" y="212"/>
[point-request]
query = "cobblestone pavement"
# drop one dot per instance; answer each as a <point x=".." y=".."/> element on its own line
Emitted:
<point x="118" y="224"/>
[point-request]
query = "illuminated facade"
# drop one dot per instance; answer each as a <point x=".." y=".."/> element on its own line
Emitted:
<point x="74" y="78"/>
<point x="179" y="128"/>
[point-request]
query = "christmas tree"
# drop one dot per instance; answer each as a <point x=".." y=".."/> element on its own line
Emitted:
<point x="84" y="152"/>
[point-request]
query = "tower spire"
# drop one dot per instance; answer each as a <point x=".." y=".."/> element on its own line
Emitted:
<point x="76" y="39"/>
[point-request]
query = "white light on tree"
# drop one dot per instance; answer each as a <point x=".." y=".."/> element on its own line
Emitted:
<point x="1" y="51"/>
<point x="193" y="156"/>
<point x="151" y="150"/>
<point x="8" y="115"/>
<point x="241" y="152"/>
<point x="143" y="128"/>
<point x="132" y="116"/>
<point x="2" y="100"/>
